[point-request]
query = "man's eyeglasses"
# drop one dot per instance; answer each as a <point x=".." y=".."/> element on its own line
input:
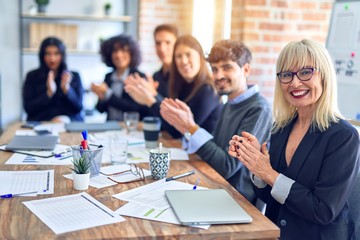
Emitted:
<point x="134" y="174"/>
<point x="304" y="74"/>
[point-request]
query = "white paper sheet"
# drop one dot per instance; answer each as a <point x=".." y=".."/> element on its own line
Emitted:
<point x="14" y="182"/>
<point x="153" y="194"/>
<point x="72" y="212"/>
<point x="139" y="154"/>
<point x="140" y="211"/>
<point x="18" y="158"/>
<point x="134" y="138"/>
<point x="178" y="154"/>
<point x="55" y="128"/>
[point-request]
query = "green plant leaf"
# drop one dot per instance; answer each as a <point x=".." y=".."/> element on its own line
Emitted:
<point x="81" y="165"/>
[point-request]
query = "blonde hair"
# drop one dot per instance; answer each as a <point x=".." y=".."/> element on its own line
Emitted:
<point x="300" y="54"/>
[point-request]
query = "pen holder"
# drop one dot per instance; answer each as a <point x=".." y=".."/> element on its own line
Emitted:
<point x="159" y="162"/>
<point x="93" y="155"/>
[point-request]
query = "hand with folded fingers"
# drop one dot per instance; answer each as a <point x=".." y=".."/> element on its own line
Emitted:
<point x="66" y="78"/>
<point x="178" y="114"/>
<point x="254" y="156"/>
<point x="141" y="90"/>
<point x="99" y="89"/>
<point x="50" y="84"/>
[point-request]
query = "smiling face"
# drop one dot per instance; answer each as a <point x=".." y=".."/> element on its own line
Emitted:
<point x="164" y="44"/>
<point x="303" y="95"/>
<point x="52" y="57"/>
<point x="121" y="58"/>
<point x="187" y="62"/>
<point x="229" y="78"/>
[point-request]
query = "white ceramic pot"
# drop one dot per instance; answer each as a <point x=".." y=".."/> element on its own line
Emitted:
<point x="81" y="181"/>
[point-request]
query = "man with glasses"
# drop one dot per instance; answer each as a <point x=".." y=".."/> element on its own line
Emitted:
<point x="246" y="110"/>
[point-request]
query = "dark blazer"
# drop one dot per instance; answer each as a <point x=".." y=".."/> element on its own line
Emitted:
<point x="324" y="168"/>
<point x="124" y="103"/>
<point x="39" y="107"/>
<point x="163" y="79"/>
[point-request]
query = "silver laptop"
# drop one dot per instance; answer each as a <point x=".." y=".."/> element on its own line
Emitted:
<point x="42" y="143"/>
<point x="92" y="127"/>
<point x="199" y="207"/>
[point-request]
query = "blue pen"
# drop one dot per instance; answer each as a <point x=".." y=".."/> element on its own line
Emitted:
<point x="14" y="195"/>
<point x="196" y="184"/>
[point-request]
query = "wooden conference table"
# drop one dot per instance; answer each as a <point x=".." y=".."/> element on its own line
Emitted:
<point x="18" y="222"/>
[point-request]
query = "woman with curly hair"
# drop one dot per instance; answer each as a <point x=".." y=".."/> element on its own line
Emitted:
<point x="122" y="53"/>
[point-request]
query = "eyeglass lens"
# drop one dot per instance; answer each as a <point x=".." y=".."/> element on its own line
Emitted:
<point x="303" y="74"/>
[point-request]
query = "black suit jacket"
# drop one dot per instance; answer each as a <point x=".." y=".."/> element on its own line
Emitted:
<point x="124" y="103"/>
<point x="324" y="168"/>
<point x="39" y="107"/>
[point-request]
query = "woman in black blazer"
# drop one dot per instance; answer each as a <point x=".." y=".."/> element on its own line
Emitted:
<point x="307" y="175"/>
<point x="122" y="53"/>
<point x="51" y="92"/>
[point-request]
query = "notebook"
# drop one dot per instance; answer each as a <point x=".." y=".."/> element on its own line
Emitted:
<point x="198" y="207"/>
<point x="20" y="142"/>
<point x="92" y="127"/>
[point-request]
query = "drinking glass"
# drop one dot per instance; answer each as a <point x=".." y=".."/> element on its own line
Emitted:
<point x="131" y="120"/>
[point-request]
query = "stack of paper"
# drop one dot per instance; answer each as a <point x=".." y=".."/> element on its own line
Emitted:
<point x="149" y="202"/>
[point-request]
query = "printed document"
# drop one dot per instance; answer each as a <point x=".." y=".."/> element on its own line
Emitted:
<point x="72" y="212"/>
<point x="153" y="194"/>
<point x="61" y="159"/>
<point x="144" y="212"/>
<point x="15" y="182"/>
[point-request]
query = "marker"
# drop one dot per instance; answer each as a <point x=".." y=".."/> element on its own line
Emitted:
<point x="179" y="176"/>
<point x="84" y="142"/>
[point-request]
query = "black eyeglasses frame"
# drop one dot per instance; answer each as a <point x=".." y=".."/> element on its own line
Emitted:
<point x="296" y="73"/>
<point x="134" y="169"/>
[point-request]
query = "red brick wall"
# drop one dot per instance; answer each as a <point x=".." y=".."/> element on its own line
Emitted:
<point x="267" y="25"/>
<point x="153" y="13"/>
<point x="264" y="25"/>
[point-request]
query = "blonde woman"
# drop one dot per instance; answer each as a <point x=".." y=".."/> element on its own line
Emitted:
<point x="308" y="173"/>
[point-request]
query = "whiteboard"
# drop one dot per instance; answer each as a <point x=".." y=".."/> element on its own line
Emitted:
<point x="343" y="44"/>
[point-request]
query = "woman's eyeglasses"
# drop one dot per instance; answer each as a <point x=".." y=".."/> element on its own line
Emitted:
<point x="304" y="74"/>
<point x="137" y="175"/>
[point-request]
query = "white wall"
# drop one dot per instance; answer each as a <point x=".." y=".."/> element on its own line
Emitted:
<point x="10" y="95"/>
<point x="91" y="68"/>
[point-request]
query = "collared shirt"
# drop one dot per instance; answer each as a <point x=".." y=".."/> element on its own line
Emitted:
<point x="117" y="88"/>
<point x="201" y="136"/>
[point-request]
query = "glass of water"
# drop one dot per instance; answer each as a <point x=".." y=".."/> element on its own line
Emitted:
<point x="131" y="120"/>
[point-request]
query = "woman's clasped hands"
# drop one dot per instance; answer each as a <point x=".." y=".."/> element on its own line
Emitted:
<point x="254" y="156"/>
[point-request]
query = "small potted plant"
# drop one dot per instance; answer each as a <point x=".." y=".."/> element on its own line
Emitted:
<point x="81" y="172"/>
<point x="107" y="8"/>
<point x="41" y="4"/>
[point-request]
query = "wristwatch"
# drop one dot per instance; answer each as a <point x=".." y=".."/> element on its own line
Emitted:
<point x="190" y="132"/>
